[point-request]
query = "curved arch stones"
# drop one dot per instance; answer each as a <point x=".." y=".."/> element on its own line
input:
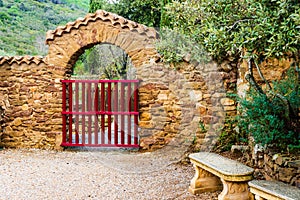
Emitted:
<point x="68" y="42"/>
<point x="168" y="98"/>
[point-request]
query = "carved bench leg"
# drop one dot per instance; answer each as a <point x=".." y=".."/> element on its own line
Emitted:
<point x="259" y="198"/>
<point x="235" y="191"/>
<point x="204" y="181"/>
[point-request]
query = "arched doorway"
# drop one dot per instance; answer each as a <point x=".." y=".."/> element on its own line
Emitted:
<point x="100" y="100"/>
<point x="66" y="45"/>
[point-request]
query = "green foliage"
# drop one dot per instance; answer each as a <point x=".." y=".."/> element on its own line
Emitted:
<point x="261" y="27"/>
<point x="230" y="135"/>
<point x="107" y="61"/>
<point x="97" y="5"/>
<point x="174" y="46"/>
<point x="169" y="48"/>
<point x="289" y="88"/>
<point x="202" y="127"/>
<point x="266" y="118"/>
<point x="23" y="24"/>
<point x="256" y="29"/>
<point x="294" y="148"/>
<point x="4" y="17"/>
<point x="79" y="68"/>
<point x="147" y="12"/>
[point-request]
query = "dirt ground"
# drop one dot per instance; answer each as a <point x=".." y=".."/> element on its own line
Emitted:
<point x="44" y="174"/>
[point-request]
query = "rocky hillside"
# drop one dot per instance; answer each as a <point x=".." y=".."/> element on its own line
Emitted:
<point x="23" y="24"/>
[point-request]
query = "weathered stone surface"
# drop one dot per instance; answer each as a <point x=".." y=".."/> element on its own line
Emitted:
<point x="226" y="66"/>
<point x="24" y="102"/>
<point x="286" y="174"/>
<point x="170" y="96"/>
<point x="17" y="122"/>
<point x="276" y="166"/>
<point x="273" y="190"/>
<point x="239" y="148"/>
<point x="145" y="116"/>
<point x="227" y="102"/>
<point x="146" y="124"/>
<point x="234" y="176"/>
<point x="280" y="159"/>
<point x="272" y="69"/>
<point x="229" y="108"/>
<point x="294" y="164"/>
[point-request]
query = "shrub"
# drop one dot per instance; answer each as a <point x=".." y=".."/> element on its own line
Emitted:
<point x="174" y="46"/>
<point x="273" y="119"/>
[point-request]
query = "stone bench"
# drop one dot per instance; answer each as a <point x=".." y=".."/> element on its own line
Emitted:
<point x="273" y="190"/>
<point x="215" y="172"/>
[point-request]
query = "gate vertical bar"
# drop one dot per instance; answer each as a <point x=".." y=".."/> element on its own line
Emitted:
<point x="114" y="100"/>
<point x="70" y="91"/>
<point x="116" y="115"/>
<point x="136" y="115"/>
<point x="122" y="108"/>
<point x="89" y="109"/>
<point x="102" y="105"/>
<point x="129" y="115"/>
<point x="64" y="109"/>
<point x="83" y="115"/>
<point x="77" y="110"/>
<point x="96" y="130"/>
<point x="109" y="111"/>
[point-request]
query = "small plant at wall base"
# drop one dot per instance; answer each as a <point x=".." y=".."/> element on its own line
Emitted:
<point x="272" y="118"/>
<point x="230" y="135"/>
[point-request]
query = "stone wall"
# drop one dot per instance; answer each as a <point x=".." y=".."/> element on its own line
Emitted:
<point x="180" y="104"/>
<point x="186" y="101"/>
<point x="272" y="69"/>
<point x="30" y="92"/>
<point x="172" y="103"/>
<point x="271" y="165"/>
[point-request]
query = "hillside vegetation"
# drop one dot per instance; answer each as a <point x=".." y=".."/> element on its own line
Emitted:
<point x="23" y="24"/>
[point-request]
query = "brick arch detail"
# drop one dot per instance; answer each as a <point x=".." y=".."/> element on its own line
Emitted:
<point x="67" y="42"/>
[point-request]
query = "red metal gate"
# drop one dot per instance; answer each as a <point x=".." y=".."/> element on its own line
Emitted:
<point x="100" y="113"/>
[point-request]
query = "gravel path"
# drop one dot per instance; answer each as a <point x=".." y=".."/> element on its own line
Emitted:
<point x="41" y="174"/>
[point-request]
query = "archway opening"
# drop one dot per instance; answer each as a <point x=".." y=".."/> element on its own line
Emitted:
<point x="104" y="61"/>
<point x="100" y="100"/>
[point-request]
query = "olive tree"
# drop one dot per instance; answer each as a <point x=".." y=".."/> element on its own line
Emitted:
<point x="147" y="12"/>
<point x="254" y="30"/>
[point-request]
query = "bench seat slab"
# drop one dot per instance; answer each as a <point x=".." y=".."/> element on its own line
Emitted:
<point x="227" y="169"/>
<point x="214" y="172"/>
<point x="273" y="190"/>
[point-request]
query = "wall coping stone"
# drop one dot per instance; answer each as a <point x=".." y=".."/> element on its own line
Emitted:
<point x="21" y="59"/>
<point x="103" y="16"/>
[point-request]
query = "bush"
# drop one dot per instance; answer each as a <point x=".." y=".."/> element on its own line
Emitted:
<point x="273" y="119"/>
<point x="174" y="46"/>
<point x="230" y="135"/>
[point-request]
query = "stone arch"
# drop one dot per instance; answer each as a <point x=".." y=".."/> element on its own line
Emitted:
<point x="172" y="102"/>
<point x="67" y="42"/>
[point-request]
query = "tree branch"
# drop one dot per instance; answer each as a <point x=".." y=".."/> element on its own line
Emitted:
<point x="250" y="78"/>
<point x="237" y="22"/>
<point x="262" y="76"/>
